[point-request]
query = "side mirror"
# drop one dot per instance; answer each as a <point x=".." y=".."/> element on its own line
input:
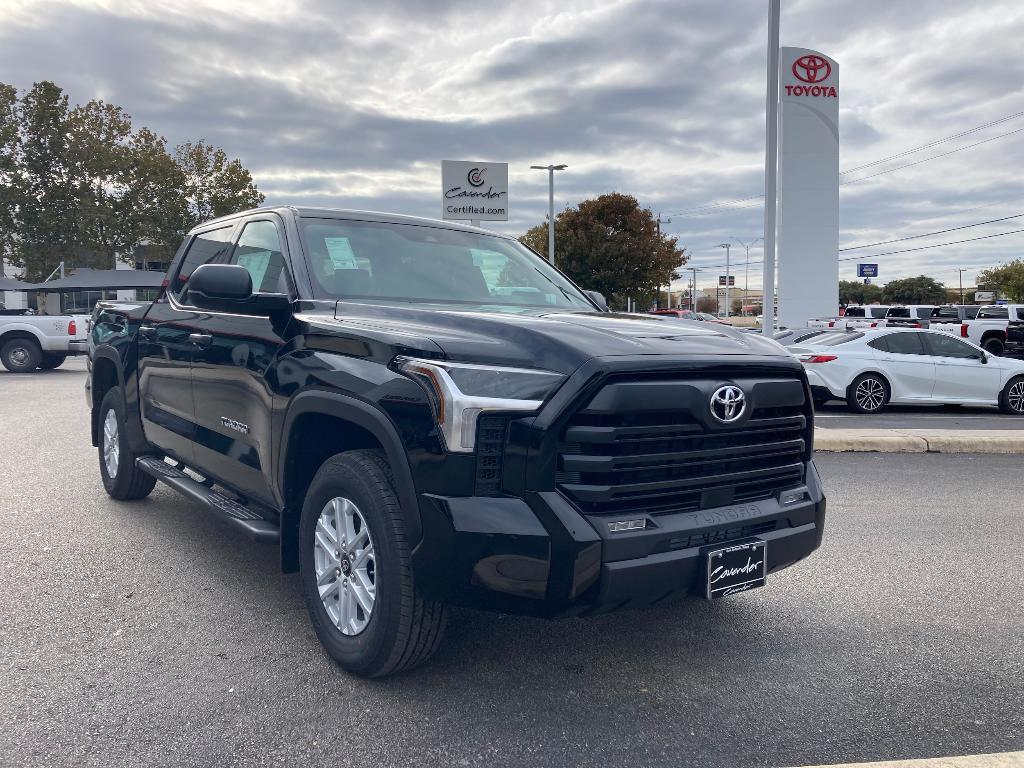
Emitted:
<point x="228" y="288"/>
<point x="984" y="358"/>
<point x="598" y="298"/>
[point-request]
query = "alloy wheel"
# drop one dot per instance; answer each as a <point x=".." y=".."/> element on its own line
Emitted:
<point x="111" y="444"/>
<point x="870" y="394"/>
<point x="346" y="573"/>
<point x="1015" y="397"/>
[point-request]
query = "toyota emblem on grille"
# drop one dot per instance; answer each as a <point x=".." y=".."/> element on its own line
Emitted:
<point x="728" y="403"/>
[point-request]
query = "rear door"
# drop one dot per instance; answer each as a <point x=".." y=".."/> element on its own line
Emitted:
<point x="904" y="360"/>
<point x="235" y="403"/>
<point x="960" y="374"/>
<point x="165" y="352"/>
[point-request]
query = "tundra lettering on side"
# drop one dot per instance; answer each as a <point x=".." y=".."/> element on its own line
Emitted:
<point x="420" y="414"/>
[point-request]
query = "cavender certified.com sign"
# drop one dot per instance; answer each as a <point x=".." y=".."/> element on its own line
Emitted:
<point x="474" y="191"/>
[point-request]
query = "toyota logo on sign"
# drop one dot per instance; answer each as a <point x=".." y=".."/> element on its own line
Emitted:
<point x="811" y="68"/>
<point x="476" y="177"/>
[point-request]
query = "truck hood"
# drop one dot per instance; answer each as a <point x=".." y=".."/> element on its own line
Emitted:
<point x="554" y="341"/>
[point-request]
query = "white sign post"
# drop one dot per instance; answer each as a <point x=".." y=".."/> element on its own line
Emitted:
<point x="474" y="191"/>
<point x="808" y="212"/>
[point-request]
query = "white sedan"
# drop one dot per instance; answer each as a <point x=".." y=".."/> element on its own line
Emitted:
<point x="871" y="368"/>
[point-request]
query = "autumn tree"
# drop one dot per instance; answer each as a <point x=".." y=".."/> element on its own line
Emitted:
<point x="612" y="245"/>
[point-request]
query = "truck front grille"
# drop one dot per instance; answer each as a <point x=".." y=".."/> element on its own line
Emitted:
<point x="652" y="447"/>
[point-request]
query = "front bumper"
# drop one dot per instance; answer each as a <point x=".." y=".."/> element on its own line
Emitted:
<point x="540" y="556"/>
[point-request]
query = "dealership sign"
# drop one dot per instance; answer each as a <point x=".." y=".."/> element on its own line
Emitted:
<point x="808" y="187"/>
<point x="867" y="270"/>
<point x="474" y="191"/>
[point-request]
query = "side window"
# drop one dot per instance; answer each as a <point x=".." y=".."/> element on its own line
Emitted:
<point x="259" y="251"/>
<point x="941" y="345"/>
<point x="206" y="248"/>
<point x="881" y="343"/>
<point x="905" y="344"/>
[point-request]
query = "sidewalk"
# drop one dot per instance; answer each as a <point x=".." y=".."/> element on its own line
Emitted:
<point x="919" y="440"/>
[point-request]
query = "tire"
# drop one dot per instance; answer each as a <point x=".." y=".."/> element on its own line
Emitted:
<point x="994" y="346"/>
<point x="1011" y="399"/>
<point x="52" y="360"/>
<point x="355" y="491"/>
<point x="21" y="355"/>
<point x="122" y="479"/>
<point x="868" y="393"/>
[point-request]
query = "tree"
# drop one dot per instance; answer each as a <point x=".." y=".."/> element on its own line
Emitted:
<point x="1007" y="278"/>
<point x="914" y="290"/>
<point x="9" y="193"/>
<point x="707" y="304"/>
<point x="855" y="292"/>
<point x="612" y="245"/>
<point x="213" y="185"/>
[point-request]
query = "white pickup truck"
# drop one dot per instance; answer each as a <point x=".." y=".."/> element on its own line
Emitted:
<point x="989" y="329"/>
<point x="855" y="316"/>
<point x="29" y="341"/>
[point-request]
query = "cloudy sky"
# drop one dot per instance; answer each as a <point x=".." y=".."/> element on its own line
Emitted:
<point x="355" y="104"/>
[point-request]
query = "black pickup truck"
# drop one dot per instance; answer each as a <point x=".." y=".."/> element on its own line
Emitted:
<point x="419" y="414"/>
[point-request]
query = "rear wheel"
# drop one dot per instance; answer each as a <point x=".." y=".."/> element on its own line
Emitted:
<point x="122" y="478"/>
<point x="52" y="360"/>
<point x="21" y="355"/>
<point x="994" y="346"/>
<point x="1011" y="399"/>
<point x="356" y="571"/>
<point x="868" y="393"/>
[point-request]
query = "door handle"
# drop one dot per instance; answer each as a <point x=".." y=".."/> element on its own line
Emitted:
<point x="201" y="339"/>
<point x="147" y="331"/>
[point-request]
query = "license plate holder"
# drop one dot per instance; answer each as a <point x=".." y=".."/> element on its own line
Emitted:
<point x="738" y="567"/>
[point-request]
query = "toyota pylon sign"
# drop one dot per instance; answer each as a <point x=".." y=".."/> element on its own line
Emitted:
<point x="474" y="191"/>
<point x="808" y="186"/>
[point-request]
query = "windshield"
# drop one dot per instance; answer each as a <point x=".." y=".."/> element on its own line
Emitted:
<point x="389" y="262"/>
<point x="879" y="311"/>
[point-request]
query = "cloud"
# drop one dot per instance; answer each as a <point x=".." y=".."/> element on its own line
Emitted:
<point x="355" y="105"/>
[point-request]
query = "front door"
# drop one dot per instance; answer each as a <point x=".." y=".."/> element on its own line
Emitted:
<point x="911" y="370"/>
<point x="166" y="344"/>
<point x="235" y="402"/>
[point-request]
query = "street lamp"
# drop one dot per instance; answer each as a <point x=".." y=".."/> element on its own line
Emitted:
<point x="727" y="246"/>
<point x="961" y="270"/>
<point x="746" y="268"/>
<point x="551" y="205"/>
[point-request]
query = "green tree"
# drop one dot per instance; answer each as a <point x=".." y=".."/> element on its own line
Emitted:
<point x="612" y="245"/>
<point x="914" y="290"/>
<point x="213" y="184"/>
<point x="9" y="180"/>
<point x="856" y="292"/>
<point x="1007" y="278"/>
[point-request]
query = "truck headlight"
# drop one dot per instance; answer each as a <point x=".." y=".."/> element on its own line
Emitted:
<point x="460" y="392"/>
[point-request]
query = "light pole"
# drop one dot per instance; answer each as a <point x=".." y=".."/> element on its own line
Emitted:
<point x="746" y="267"/>
<point x="727" y="246"/>
<point x="961" y="270"/>
<point x="551" y="205"/>
<point x="771" y="155"/>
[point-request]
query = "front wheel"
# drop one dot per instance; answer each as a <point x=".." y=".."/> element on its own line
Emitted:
<point x="1011" y="399"/>
<point x="21" y="355"/>
<point x="356" y="572"/>
<point x="868" y="393"/>
<point x="122" y="478"/>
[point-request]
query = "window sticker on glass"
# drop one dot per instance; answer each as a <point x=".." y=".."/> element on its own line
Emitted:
<point x="340" y="252"/>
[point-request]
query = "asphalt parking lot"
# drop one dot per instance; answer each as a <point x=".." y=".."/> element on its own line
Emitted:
<point x="146" y="633"/>
<point x="835" y="415"/>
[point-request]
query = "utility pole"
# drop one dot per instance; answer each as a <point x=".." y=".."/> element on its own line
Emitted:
<point x="693" y="290"/>
<point x="551" y="205"/>
<point x="746" y="267"/>
<point x="771" y="157"/>
<point x="961" y="270"/>
<point x="727" y="246"/>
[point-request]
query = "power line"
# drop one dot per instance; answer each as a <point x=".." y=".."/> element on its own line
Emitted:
<point x="929" y="234"/>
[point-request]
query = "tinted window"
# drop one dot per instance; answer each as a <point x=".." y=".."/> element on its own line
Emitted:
<point x="855" y="312"/>
<point x="390" y="262"/>
<point x="946" y="313"/>
<point x="206" y="248"/>
<point x="881" y="343"/>
<point x="899" y="312"/>
<point x="941" y="345"/>
<point x="971" y="312"/>
<point x="878" y="312"/>
<point x="905" y="344"/>
<point x="994" y="313"/>
<point x="259" y="251"/>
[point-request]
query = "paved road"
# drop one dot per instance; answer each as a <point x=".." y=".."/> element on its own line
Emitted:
<point x="836" y="416"/>
<point x="146" y="633"/>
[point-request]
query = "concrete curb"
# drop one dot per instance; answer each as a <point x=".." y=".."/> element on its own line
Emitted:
<point x="919" y="440"/>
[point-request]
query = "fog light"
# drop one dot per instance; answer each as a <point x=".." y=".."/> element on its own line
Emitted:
<point x="791" y="497"/>
<point x="627" y="525"/>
